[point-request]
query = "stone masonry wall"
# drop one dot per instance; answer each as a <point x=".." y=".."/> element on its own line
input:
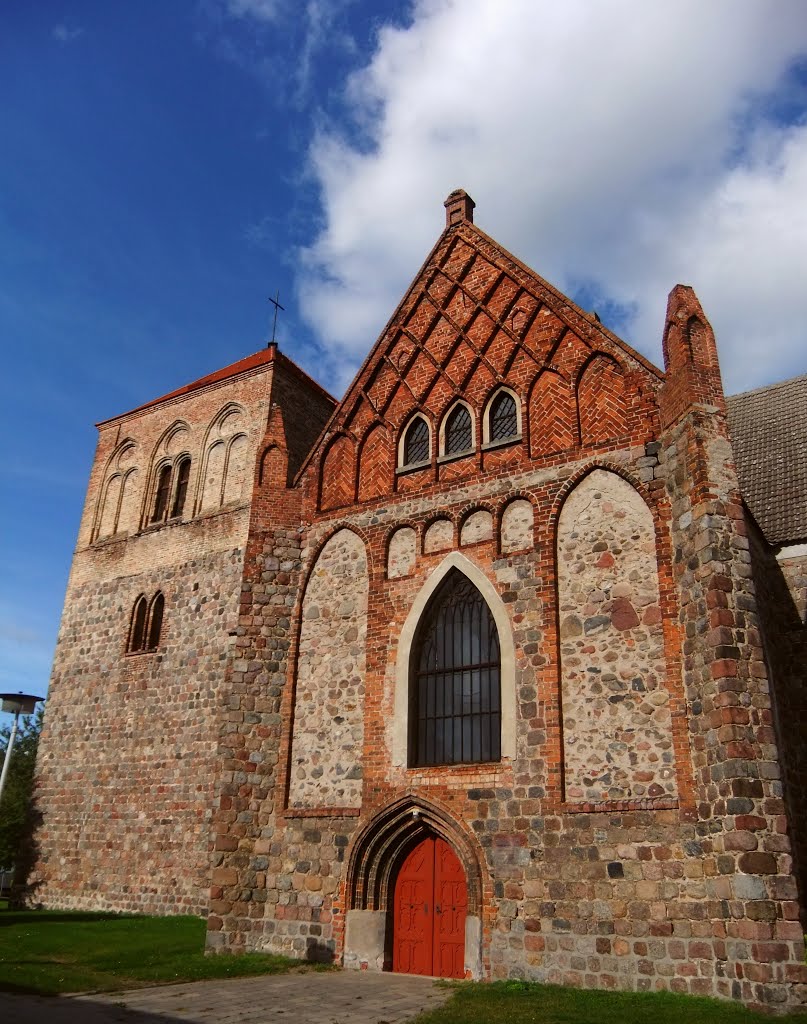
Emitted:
<point x="781" y="586"/>
<point x="127" y="769"/>
<point x="328" y="729"/>
<point x="691" y="893"/>
<point x="617" y="731"/>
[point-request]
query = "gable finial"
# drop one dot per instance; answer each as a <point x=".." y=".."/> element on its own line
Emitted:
<point x="459" y="207"/>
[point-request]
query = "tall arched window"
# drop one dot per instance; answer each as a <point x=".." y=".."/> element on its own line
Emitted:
<point x="146" y="624"/>
<point x="172" y="479"/>
<point x="137" y="630"/>
<point x="416" y="442"/>
<point x="183" y="474"/>
<point x="455" y="688"/>
<point x="155" y="621"/>
<point x="459" y="435"/>
<point x="162" y="494"/>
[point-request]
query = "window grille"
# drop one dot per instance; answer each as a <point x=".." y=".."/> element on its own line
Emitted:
<point x="416" y="444"/>
<point x="459" y="431"/>
<point x="455" y="697"/>
<point x="503" y="417"/>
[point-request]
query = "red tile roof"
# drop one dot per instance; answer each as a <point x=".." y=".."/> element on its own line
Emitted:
<point x="257" y="359"/>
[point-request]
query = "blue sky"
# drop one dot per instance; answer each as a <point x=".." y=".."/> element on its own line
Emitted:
<point x="167" y="167"/>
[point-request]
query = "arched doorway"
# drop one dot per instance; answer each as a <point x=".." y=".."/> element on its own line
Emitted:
<point x="430" y="905"/>
<point x="386" y="891"/>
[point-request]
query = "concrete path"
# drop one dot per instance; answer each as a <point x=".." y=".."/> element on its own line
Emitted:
<point x="335" y="997"/>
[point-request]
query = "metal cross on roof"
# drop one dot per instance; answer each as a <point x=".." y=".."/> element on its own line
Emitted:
<point x="277" y="306"/>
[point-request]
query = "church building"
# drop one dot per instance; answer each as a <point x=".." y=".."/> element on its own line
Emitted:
<point x="494" y="668"/>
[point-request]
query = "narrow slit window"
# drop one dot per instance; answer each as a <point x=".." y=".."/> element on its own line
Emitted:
<point x="183" y="475"/>
<point x="137" y="631"/>
<point x="503" y="417"/>
<point x="416" y="444"/>
<point x="155" y="622"/>
<point x="162" y="495"/>
<point x="459" y="431"/>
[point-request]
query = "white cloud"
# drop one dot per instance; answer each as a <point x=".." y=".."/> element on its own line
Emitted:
<point x="63" y="34"/>
<point x="619" y="144"/>
<point x="260" y="10"/>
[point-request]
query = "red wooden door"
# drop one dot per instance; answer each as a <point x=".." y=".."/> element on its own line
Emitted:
<point x="430" y="904"/>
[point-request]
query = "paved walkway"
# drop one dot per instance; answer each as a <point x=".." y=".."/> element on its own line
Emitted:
<point x="335" y="997"/>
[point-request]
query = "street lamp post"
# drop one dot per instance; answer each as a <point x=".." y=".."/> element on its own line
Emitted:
<point x="15" y="704"/>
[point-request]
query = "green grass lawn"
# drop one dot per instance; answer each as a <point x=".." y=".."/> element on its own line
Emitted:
<point x="55" y="951"/>
<point x="518" y="1002"/>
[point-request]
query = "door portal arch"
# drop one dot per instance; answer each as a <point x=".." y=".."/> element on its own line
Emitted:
<point x="412" y="852"/>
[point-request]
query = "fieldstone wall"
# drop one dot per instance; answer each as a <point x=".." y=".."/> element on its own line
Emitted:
<point x="516" y="530"/>
<point x="402" y="552"/>
<point x="617" y="735"/>
<point x="477" y="527"/>
<point x="329" y="696"/>
<point x="127" y="770"/>
<point x="439" y="536"/>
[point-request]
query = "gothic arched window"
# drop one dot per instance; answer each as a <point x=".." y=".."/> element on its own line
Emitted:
<point x="183" y="474"/>
<point x="137" y="631"/>
<point x="459" y="434"/>
<point x="503" y="417"/>
<point x="146" y="624"/>
<point x="455" y="688"/>
<point x="416" y="446"/>
<point x="162" y="494"/>
<point x="155" y="621"/>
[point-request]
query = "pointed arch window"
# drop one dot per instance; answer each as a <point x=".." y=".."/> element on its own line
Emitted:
<point x="146" y="624"/>
<point x="417" y="442"/>
<point x="503" y="417"/>
<point x="137" y="633"/>
<point x="455" y="683"/>
<point x="459" y="433"/>
<point x="183" y="475"/>
<point x="172" y="480"/>
<point x="155" y="621"/>
<point x="162" y="494"/>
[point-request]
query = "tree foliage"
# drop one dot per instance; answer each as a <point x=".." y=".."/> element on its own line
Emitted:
<point x="16" y="798"/>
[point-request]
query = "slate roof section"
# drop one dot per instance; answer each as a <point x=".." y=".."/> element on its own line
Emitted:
<point x="769" y="436"/>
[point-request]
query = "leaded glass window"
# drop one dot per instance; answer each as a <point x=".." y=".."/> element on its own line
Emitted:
<point x="416" y="443"/>
<point x="503" y="417"/>
<point x="455" y="697"/>
<point x="459" y="432"/>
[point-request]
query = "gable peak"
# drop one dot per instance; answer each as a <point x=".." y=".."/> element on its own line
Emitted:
<point x="459" y="207"/>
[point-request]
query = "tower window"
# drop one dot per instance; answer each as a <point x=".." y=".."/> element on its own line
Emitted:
<point x="146" y="624"/>
<point x="183" y="474"/>
<point x="162" y="494"/>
